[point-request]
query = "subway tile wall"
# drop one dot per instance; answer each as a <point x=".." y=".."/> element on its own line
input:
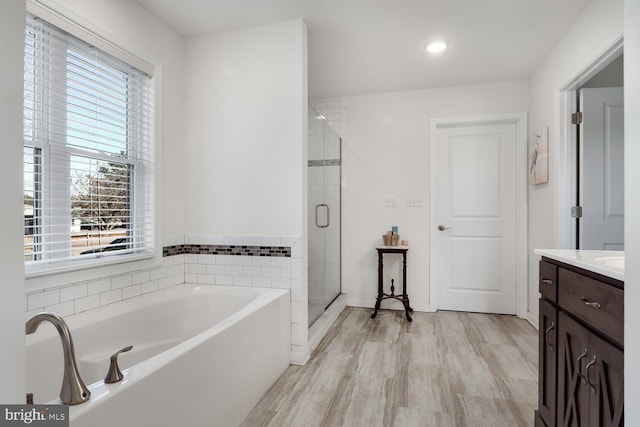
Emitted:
<point x="246" y="270"/>
<point x="77" y="297"/>
<point x="334" y="111"/>
<point x="274" y="262"/>
<point x="282" y="272"/>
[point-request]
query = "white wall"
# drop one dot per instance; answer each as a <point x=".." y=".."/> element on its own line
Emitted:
<point x="632" y="208"/>
<point x="388" y="154"/>
<point x="246" y="143"/>
<point x="12" y="365"/>
<point x="246" y="95"/>
<point x="598" y="28"/>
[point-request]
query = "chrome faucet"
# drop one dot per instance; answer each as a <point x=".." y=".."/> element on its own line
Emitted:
<point x="73" y="389"/>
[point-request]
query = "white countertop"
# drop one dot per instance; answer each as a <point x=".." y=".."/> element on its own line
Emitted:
<point x="607" y="263"/>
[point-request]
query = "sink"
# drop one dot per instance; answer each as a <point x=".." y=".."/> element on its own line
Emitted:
<point x="612" y="261"/>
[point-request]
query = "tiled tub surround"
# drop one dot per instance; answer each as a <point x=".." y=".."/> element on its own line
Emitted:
<point x="73" y="298"/>
<point x="265" y="262"/>
<point x="256" y="261"/>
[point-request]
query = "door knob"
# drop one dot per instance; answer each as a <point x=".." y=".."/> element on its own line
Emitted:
<point x="442" y="227"/>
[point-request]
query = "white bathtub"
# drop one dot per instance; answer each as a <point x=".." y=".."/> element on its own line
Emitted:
<point x="202" y="356"/>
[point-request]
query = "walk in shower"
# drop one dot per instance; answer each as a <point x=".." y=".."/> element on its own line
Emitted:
<point x="324" y="167"/>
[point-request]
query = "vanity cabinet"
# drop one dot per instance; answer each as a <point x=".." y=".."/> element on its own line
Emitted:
<point x="548" y="372"/>
<point x="581" y="356"/>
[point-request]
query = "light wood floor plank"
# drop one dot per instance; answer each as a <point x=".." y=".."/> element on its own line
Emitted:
<point x="443" y="369"/>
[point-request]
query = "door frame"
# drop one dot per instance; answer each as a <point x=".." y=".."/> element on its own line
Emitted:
<point x="566" y="102"/>
<point x="520" y="120"/>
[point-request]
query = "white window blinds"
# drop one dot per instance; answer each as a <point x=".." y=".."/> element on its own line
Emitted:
<point x="88" y="153"/>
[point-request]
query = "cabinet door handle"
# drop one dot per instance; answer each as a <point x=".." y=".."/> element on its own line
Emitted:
<point x="590" y="364"/>
<point x="584" y="353"/>
<point x="547" y="333"/>
<point x="546" y="281"/>
<point x="589" y="303"/>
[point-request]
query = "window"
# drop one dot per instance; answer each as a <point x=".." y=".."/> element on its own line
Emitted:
<point x="88" y="153"/>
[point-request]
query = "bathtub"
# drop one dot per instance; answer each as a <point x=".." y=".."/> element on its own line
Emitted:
<point x="202" y="356"/>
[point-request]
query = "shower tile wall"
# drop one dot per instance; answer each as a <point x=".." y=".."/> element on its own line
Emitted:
<point x="315" y="180"/>
<point x="330" y="196"/>
<point x="316" y="243"/>
<point x="334" y="111"/>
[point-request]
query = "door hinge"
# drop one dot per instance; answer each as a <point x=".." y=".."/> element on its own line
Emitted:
<point x="576" y="211"/>
<point x="576" y="118"/>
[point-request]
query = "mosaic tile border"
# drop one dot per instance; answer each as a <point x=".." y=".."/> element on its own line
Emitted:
<point x="328" y="162"/>
<point x="267" y="251"/>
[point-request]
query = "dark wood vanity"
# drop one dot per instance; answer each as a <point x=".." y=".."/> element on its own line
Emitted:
<point x="581" y="347"/>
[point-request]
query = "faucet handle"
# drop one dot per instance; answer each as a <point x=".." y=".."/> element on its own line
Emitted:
<point x="115" y="374"/>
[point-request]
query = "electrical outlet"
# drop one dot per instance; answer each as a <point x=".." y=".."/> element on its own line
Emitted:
<point x="390" y="201"/>
<point x="414" y="201"/>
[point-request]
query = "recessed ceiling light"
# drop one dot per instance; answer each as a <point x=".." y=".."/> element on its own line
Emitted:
<point x="436" y="46"/>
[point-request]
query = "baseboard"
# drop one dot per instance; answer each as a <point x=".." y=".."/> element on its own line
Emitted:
<point x="300" y="357"/>
<point x="531" y="318"/>
<point x="425" y="308"/>
<point x="389" y="305"/>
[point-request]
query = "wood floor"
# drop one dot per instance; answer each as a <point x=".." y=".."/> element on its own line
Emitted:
<point x="444" y="369"/>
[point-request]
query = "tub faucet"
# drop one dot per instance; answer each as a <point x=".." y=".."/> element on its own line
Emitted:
<point x="73" y="389"/>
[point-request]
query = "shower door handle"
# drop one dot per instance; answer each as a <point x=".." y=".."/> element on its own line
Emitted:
<point x="326" y="224"/>
<point x="327" y="216"/>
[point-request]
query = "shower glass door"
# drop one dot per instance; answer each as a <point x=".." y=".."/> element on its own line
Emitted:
<point x="324" y="171"/>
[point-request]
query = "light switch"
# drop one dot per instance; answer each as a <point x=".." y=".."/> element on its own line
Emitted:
<point x="414" y="201"/>
<point x="390" y="201"/>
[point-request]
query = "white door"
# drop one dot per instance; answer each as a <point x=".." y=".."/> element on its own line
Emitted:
<point x="602" y="168"/>
<point x="474" y="252"/>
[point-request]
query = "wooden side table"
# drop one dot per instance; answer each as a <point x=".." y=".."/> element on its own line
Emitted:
<point x="404" y="298"/>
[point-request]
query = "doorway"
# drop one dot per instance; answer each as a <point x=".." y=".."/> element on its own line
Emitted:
<point x="569" y="189"/>
<point x="600" y="160"/>
<point x="478" y="214"/>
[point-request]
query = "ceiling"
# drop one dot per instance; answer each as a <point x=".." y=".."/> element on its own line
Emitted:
<point x="370" y="46"/>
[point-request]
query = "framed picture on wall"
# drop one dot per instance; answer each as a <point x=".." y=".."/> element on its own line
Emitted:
<point x="539" y="156"/>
